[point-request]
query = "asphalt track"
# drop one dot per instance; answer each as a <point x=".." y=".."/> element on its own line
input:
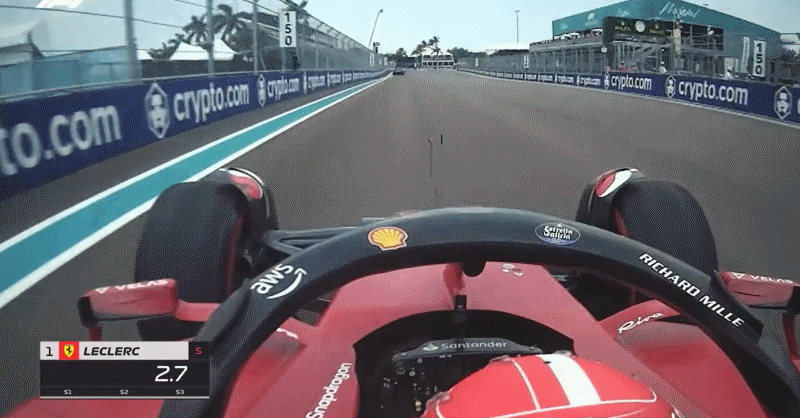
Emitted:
<point x="496" y="143"/>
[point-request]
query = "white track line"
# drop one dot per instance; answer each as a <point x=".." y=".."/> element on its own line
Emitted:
<point x="660" y="99"/>
<point x="35" y="276"/>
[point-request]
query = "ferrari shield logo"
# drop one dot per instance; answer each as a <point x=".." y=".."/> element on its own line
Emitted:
<point x="388" y="237"/>
<point x="68" y="350"/>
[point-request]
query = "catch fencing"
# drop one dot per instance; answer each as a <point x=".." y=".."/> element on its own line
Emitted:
<point x="89" y="45"/>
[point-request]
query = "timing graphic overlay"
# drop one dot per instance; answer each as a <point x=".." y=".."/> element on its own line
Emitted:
<point x="131" y="369"/>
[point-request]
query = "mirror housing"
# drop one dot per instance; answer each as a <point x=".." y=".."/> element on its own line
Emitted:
<point x="138" y="301"/>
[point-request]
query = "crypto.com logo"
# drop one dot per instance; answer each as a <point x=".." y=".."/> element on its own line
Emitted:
<point x="156" y="107"/>
<point x="49" y="4"/>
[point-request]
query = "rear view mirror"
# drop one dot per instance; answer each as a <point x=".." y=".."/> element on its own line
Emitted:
<point x="130" y="301"/>
<point x="138" y="301"/>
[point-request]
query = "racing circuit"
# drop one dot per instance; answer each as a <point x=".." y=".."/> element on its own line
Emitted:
<point x="494" y="142"/>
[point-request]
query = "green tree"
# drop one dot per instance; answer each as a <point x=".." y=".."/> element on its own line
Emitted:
<point x="196" y="33"/>
<point x="460" y="53"/>
<point x="230" y="24"/>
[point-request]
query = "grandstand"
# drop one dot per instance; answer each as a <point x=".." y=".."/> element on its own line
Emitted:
<point x="436" y="59"/>
<point x="660" y="36"/>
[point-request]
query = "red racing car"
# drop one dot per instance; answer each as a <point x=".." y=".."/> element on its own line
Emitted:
<point x="456" y="313"/>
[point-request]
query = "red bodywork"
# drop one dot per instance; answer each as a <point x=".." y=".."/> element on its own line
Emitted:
<point x="288" y="375"/>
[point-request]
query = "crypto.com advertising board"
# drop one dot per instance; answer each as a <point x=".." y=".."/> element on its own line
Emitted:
<point x="776" y="102"/>
<point x="44" y="139"/>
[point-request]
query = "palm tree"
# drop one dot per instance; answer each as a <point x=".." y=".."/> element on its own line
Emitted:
<point x="231" y="23"/>
<point x="167" y="49"/>
<point x="196" y="31"/>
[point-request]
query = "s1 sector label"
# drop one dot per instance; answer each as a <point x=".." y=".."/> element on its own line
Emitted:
<point x="276" y="276"/>
<point x="557" y="233"/>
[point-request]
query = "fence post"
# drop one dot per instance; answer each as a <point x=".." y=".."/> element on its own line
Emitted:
<point x="133" y="58"/>
<point x="210" y="35"/>
<point x="255" y="37"/>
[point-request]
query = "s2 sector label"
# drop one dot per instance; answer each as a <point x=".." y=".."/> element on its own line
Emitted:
<point x="557" y="233"/>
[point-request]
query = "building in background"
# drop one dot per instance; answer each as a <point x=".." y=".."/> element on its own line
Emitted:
<point x="662" y="35"/>
<point x="436" y="58"/>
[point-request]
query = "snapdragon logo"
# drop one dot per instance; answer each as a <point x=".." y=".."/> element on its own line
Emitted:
<point x="695" y="90"/>
<point x="330" y="391"/>
<point x="23" y="146"/>
<point x="621" y="82"/>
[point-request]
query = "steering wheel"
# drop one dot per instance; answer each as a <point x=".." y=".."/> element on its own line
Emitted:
<point x="249" y="316"/>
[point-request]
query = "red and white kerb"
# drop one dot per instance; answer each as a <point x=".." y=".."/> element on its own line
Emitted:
<point x="548" y="386"/>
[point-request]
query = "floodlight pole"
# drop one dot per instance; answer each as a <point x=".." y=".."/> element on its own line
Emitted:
<point x="517" y="12"/>
<point x="373" y="27"/>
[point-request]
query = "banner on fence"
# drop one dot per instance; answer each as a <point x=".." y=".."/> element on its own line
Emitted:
<point x="775" y="102"/>
<point x="44" y="139"/>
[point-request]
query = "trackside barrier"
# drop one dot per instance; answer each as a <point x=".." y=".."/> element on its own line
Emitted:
<point x="774" y="102"/>
<point x="44" y="139"/>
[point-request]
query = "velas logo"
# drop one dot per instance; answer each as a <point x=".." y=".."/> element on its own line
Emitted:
<point x="262" y="90"/>
<point x="783" y="102"/>
<point x="669" y="87"/>
<point x="156" y="104"/>
<point x="388" y="237"/>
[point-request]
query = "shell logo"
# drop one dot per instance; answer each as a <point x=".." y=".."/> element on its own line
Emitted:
<point x="388" y="237"/>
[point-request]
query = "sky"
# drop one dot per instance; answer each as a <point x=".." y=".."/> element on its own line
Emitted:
<point x="472" y="24"/>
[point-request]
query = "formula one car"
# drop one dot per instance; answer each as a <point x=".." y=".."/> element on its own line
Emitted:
<point x="398" y="71"/>
<point x="456" y="312"/>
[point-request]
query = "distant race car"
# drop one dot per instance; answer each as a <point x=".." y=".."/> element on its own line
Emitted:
<point x="456" y="312"/>
<point x="399" y="71"/>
